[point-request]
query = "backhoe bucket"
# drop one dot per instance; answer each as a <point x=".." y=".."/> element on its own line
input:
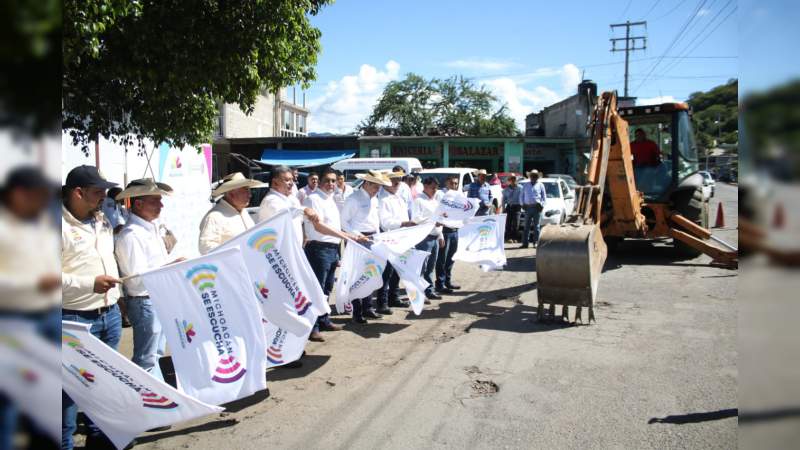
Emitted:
<point x="569" y="259"/>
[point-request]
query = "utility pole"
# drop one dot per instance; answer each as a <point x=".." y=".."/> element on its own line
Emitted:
<point x="630" y="43"/>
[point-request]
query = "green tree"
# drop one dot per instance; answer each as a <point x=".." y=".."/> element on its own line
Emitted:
<point x="715" y="114"/>
<point x="158" y="69"/>
<point x="454" y="106"/>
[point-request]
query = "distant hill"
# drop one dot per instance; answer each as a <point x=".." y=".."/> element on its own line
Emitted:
<point x="719" y="103"/>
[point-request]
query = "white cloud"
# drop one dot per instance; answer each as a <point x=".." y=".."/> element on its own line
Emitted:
<point x="348" y="101"/>
<point x="570" y="78"/>
<point x="655" y="100"/>
<point x="479" y="64"/>
<point x="703" y="12"/>
<point x="519" y="100"/>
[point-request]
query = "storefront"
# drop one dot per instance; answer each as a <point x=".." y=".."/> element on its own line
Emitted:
<point x="499" y="154"/>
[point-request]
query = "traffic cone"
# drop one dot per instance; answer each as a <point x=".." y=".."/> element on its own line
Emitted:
<point x="779" y="219"/>
<point x="720" y="222"/>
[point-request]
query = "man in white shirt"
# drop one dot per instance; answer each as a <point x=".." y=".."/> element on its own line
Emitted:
<point x="114" y="212"/>
<point x="393" y="214"/>
<point x="403" y="190"/>
<point x="342" y="191"/>
<point x="360" y="216"/>
<point x="533" y="198"/>
<point x="322" y="248"/>
<point x="280" y="198"/>
<point x="424" y="208"/>
<point x="295" y="181"/>
<point x="448" y="248"/>
<point x="313" y="184"/>
<point x="228" y="218"/>
<point x="138" y="248"/>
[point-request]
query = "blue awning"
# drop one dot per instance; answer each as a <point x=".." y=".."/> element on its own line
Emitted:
<point x="304" y="158"/>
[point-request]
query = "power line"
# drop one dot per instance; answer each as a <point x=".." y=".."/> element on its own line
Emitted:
<point x="651" y="9"/>
<point x="627" y="7"/>
<point x="670" y="11"/>
<point x="630" y="44"/>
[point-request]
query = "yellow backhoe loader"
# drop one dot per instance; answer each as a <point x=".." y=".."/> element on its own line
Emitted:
<point x="620" y="201"/>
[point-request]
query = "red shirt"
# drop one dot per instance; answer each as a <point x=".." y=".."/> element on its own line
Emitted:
<point x="645" y="153"/>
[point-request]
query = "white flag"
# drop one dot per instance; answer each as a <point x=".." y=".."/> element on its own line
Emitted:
<point x="283" y="347"/>
<point x="30" y="375"/>
<point x="213" y="325"/>
<point x="360" y="274"/>
<point x="283" y="282"/>
<point x="400" y="240"/>
<point x="409" y="266"/>
<point x="121" y="398"/>
<point x="480" y="241"/>
<point x="455" y="208"/>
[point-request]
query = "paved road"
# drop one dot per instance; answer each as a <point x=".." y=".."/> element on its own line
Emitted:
<point x="476" y="370"/>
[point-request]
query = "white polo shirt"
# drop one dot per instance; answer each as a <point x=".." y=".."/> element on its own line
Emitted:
<point x="424" y="209"/>
<point x="138" y="248"/>
<point x="360" y="213"/>
<point x="276" y="202"/>
<point x="393" y="210"/>
<point x="325" y="207"/>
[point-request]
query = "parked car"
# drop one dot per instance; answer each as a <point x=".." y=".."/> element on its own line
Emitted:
<point x="503" y="176"/>
<point x="568" y="178"/>
<point x="350" y="167"/>
<point x="709" y="185"/>
<point x="559" y="202"/>
<point x="465" y="177"/>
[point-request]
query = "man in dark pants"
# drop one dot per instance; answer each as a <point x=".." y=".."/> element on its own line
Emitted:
<point x="423" y="211"/>
<point x="512" y="197"/>
<point x="393" y="214"/>
<point x="444" y="261"/>
<point x="89" y="279"/>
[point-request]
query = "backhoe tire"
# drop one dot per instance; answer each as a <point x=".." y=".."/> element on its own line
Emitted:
<point x="692" y="206"/>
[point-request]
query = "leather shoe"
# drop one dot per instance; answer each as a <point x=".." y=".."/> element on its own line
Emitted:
<point x="433" y="296"/>
<point x="359" y="320"/>
<point x="444" y="290"/>
<point x="427" y="302"/>
<point x="330" y="326"/>
<point x="399" y="304"/>
<point x="523" y="246"/>
<point x="316" y="336"/>
<point x="372" y="314"/>
<point x="384" y="310"/>
<point x="454" y="287"/>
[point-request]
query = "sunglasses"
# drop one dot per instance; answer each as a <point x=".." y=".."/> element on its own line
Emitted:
<point x="328" y="180"/>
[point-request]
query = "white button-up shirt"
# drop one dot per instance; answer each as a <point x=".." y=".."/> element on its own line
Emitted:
<point x="138" y="248"/>
<point x="393" y="210"/>
<point x="340" y="195"/>
<point x="276" y="202"/>
<point x="220" y="224"/>
<point x="360" y="213"/>
<point x="302" y="194"/>
<point x="328" y="213"/>
<point x="424" y="209"/>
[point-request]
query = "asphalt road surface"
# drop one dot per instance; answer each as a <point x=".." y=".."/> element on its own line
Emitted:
<point x="476" y="370"/>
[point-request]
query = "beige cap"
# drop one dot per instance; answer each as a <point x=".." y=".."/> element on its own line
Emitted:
<point x="144" y="187"/>
<point x="234" y="181"/>
<point x="374" y="176"/>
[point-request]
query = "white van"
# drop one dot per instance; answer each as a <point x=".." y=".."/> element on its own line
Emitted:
<point x="350" y="167"/>
<point x="465" y="178"/>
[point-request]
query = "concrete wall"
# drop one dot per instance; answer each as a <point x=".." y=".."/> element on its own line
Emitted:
<point x="237" y="124"/>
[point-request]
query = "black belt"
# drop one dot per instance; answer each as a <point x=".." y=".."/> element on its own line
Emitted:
<point x="449" y="230"/>
<point x="97" y="312"/>
<point x="323" y="244"/>
<point x="367" y="233"/>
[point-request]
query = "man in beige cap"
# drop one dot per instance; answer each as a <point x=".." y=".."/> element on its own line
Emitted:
<point x="228" y="218"/>
<point x="139" y="247"/>
<point x="360" y="215"/>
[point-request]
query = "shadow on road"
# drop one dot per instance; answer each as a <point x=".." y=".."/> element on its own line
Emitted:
<point x="242" y="403"/>
<point x="647" y="253"/>
<point x="375" y="328"/>
<point x="750" y="417"/>
<point x="519" y="319"/>
<point x="476" y="304"/>
<point x="696" y="417"/>
<point x="210" y="426"/>
<point x="310" y="364"/>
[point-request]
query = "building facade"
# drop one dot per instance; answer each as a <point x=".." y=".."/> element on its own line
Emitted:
<point x="283" y="114"/>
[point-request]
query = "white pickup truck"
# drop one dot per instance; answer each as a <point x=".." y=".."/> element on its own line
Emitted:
<point x="465" y="177"/>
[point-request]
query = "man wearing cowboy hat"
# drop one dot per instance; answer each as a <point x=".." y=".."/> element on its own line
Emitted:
<point x="533" y="198"/>
<point x="360" y="216"/>
<point x="424" y="209"/>
<point x="228" y="218"/>
<point x="481" y="190"/>
<point x="393" y="214"/>
<point x="88" y="277"/>
<point x="139" y="247"/>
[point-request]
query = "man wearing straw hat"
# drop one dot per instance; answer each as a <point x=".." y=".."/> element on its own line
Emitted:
<point x="139" y="247"/>
<point x="228" y="218"/>
<point x="360" y="216"/>
<point x="481" y="190"/>
<point x="393" y="214"/>
<point x="533" y="198"/>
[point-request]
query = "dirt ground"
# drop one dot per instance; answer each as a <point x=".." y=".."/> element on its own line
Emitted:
<point x="477" y="370"/>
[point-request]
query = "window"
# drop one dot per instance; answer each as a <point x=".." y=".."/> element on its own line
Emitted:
<point x="301" y="123"/>
<point x="288" y="120"/>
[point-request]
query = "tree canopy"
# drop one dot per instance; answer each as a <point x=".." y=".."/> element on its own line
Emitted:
<point x="454" y="106"/>
<point x="158" y="69"/>
<point x="718" y="104"/>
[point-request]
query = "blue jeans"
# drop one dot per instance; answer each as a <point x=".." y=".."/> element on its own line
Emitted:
<point x="107" y="327"/>
<point x="444" y="261"/>
<point x="149" y="341"/>
<point x="532" y="214"/>
<point x="323" y="259"/>
<point x="391" y="282"/>
<point x="429" y="244"/>
<point x="48" y="325"/>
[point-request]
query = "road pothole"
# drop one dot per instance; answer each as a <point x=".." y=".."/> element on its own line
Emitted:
<point x="483" y="388"/>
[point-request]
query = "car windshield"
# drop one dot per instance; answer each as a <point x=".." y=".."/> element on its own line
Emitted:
<point x="440" y="177"/>
<point x="551" y="189"/>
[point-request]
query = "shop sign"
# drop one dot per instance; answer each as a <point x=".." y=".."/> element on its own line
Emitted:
<point x="476" y="150"/>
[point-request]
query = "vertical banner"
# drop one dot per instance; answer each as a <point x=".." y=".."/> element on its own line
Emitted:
<point x="480" y="241"/>
<point x="400" y="240"/>
<point x="360" y="274"/>
<point x="283" y="282"/>
<point x="455" y="208"/>
<point x="213" y="325"/>
<point x="408" y="266"/>
<point x="120" y="397"/>
<point x="284" y="347"/>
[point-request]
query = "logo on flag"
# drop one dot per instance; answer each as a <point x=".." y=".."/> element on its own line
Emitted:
<point x="371" y="269"/>
<point x="301" y="303"/>
<point x="185" y="332"/>
<point x="275" y="349"/>
<point x="203" y="278"/>
<point x="262" y="290"/>
<point x="153" y="400"/>
<point x="264" y="240"/>
<point x="452" y="203"/>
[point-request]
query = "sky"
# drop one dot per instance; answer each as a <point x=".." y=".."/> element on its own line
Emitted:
<point x="529" y="54"/>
